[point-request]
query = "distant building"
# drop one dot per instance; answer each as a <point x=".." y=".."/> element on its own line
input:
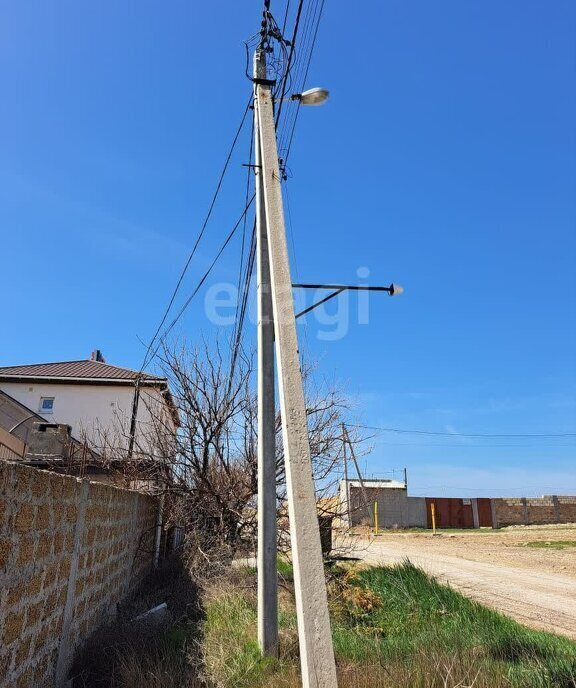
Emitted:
<point x="114" y="410"/>
<point x="395" y="508"/>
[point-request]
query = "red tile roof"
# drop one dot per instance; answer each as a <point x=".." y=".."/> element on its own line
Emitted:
<point x="77" y="370"/>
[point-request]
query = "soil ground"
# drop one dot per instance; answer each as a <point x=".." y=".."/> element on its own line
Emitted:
<point x="535" y="585"/>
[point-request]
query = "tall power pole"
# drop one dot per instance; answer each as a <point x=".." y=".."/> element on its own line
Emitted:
<point x="267" y="530"/>
<point x="315" y="639"/>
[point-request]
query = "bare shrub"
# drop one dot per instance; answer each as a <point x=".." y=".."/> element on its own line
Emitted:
<point x="207" y="469"/>
<point x="215" y="473"/>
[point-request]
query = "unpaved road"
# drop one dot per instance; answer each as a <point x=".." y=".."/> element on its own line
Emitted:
<point x="532" y="593"/>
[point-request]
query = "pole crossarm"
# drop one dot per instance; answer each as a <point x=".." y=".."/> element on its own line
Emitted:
<point x="338" y="289"/>
<point x="342" y="287"/>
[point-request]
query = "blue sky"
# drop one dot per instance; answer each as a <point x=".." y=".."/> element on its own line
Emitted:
<point x="444" y="161"/>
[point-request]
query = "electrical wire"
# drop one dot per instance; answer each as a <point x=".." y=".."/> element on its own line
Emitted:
<point x="281" y="65"/>
<point x="467" y="446"/>
<point x="204" y="278"/>
<point x="248" y="179"/>
<point x="290" y="58"/>
<point x="315" y="36"/>
<point x="147" y="357"/>
<point x="297" y="69"/>
<point x="460" y="434"/>
<point x="286" y="11"/>
<point x="237" y="337"/>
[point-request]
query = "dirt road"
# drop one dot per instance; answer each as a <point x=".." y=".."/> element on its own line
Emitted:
<point x="535" y="595"/>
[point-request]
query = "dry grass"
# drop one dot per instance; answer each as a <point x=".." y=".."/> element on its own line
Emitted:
<point x="161" y="653"/>
<point x="392" y="628"/>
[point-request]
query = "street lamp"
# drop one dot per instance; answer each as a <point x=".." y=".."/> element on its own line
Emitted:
<point x="313" y="96"/>
<point x="393" y="290"/>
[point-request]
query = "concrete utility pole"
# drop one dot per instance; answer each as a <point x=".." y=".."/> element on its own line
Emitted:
<point x="267" y="530"/>
<point x="346" y="486"/>
<point x="369" y="512"/>
<point x="316" y="651"/>
<point x="134" y="416"/>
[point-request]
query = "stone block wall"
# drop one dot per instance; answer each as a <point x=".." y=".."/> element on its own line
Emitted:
<point x="70" y="550"/>
<point x="395" y="508"/>
<point x="534" y="510"/>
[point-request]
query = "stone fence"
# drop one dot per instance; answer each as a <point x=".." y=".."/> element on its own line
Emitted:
<point x="396" y="509"/>
<point x="534" y="510"/>
<point x="70" y="550"/>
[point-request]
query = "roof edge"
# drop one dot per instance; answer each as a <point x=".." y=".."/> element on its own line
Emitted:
<point x="151" y="382"/>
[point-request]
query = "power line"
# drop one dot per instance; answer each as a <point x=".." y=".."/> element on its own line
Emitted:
<point x="290" y="57"/>
<point x="467" y="446"/>
<point x="272" y="30"/>
<point x="315" y="35"/>
<point x="286" y="11"/>
<point x="461" y="434"/>
<point x="248" y="179"/>
<point x="204" y="277"/>
<point x="243" y="302"/>
<point x="283" y="66"/>
<point x="147" y="356"/>
<point x="306" y="23"/>
<point x="297" y="70"/>
<point x="312" y="18"/>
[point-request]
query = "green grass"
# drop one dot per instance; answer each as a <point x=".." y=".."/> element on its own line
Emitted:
<point x="285" y="568"/>
<point x="392" y="627"/>
<point x="411" y="612"/>
<point x="551" y="544"/>
<point x="448" y="531"/>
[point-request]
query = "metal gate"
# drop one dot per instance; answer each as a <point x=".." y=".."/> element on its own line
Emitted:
<point x="484" y="512"/>
<point x="450" y="512"/>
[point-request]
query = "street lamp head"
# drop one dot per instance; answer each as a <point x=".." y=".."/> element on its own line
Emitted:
<point x="313" y="96"/>
<point x="395" y="289"/>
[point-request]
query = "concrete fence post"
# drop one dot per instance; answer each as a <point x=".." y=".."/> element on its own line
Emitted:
<point x="475" y="515"/>
<point x="556" y="504"/>
<point x="493" y="513"/>
<point x="524" y="511"/>
<point x="64" y="647"/>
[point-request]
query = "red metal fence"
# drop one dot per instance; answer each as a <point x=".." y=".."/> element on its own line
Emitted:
<point x="459" y="513"/>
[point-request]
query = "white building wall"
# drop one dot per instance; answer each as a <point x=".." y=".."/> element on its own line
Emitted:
<point x="94" y="410"/>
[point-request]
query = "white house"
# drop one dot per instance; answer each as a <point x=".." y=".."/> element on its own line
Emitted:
<point x="395" y="509"/>
<point x="103" y="403"/>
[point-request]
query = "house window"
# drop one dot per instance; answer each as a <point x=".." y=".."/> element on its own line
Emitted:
<point x="46" y="404"/>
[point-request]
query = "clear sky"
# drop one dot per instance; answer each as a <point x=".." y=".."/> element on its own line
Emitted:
<point x="444" y="161"/>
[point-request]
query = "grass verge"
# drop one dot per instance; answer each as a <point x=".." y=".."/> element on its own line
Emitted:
<point x="551" y="544"/>
<point x="392" y="627"/>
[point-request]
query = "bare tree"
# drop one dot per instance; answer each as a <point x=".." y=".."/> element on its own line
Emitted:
<point x="215" y="469"/>
<point x="208" y="467"/>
